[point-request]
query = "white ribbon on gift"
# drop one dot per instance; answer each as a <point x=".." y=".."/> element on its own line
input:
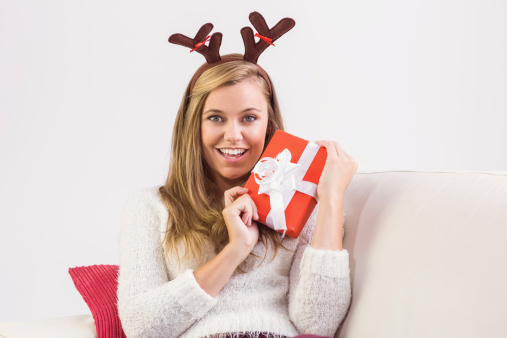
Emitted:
<point x="280" y="179"/>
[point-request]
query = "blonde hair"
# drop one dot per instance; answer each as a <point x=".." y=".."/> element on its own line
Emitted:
<point x="193" y="201"/>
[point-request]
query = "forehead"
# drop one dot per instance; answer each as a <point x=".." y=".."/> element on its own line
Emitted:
<point x="237" y="97"/>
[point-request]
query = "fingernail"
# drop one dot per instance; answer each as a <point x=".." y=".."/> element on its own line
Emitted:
<point x="256" y="216"/>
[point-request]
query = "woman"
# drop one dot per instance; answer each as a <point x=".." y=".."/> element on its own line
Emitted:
<point x="194" y="262"/>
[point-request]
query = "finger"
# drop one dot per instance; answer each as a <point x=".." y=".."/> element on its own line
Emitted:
<point x="254" y="223"/>
<point x="253" y="207"/>
<point x="231" y="194"/>
<point x="255" y="211"/>
<point x="247" y="214"/>
<point x="331" y="148"/>
<point x="339" y="150"/>
<point x="342" y="153"/>
<point x="254" y="214"/>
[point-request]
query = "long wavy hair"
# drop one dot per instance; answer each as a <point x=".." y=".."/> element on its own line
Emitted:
<point x="193" y="201"/>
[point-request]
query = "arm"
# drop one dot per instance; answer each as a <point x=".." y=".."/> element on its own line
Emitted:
<point x="319" y="289"/>
<point x="338" y="171"/>
<point x="320" y="293"/>
<point x="149" y="304"/>
<point x="329" y="228"/>
<point x="239" y="214"/>
<point x="213" y="275"/>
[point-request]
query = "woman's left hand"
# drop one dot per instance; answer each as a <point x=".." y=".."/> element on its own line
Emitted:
<point x="338" y="171"/>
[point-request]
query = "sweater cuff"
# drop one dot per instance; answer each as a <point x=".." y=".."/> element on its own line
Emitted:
<point x="323" y="262"/>
<point x="191" y="296"/>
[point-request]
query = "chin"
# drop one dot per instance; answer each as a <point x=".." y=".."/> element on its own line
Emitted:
<point x="237" y="176"/>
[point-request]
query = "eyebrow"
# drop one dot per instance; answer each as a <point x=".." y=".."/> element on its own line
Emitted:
<point x="218" y="111"/>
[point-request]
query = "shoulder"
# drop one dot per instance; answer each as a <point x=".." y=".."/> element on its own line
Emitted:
<point x="145" y="193"/>
<point x="145" y="203"/>
<point x="147" y="196"/>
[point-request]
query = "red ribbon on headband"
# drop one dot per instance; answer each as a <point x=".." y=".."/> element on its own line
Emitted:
<point x="200" y="44"/>
<point x="268" y="40"/>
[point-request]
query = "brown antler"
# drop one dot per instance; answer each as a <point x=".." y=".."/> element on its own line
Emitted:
<point x="252" y="49"/>
<point x="210" y="52"/>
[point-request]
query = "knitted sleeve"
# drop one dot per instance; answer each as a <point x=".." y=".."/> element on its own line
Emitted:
<point x="149" y="304"/>
<point x="319" y="293"/>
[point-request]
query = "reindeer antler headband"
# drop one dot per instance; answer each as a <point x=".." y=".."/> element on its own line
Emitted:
<point x="252" y="49"/>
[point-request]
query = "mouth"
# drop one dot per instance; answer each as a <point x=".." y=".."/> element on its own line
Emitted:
<point x="232" y="156"/>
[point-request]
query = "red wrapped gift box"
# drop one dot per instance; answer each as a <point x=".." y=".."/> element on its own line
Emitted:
<point x="283" y="184"/>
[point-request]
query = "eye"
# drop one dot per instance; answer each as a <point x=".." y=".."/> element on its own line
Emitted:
<point x="215" y="118"/>
<point x="250" y="118"/>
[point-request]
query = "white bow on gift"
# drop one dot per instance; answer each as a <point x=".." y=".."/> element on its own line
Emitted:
<point x="280" y="179"/>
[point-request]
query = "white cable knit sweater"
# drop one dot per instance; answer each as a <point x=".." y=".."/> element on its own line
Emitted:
<point x="304" y="290"/>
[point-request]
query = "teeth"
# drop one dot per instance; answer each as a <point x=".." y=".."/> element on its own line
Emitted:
<point x="232" y="151"/>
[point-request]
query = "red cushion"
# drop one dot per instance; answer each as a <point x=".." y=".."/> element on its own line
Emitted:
<point x="97" y="284"/>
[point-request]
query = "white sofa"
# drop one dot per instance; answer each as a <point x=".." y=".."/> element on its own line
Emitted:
<point x="427" y="254"/>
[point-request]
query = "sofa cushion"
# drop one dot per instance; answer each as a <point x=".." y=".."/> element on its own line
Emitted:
<point x="427" y="254"/>
<point x="80" y="326"/>
<point x="97" y="284"/>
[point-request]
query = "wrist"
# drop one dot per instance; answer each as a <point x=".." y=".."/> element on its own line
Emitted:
<point x="329" y="226"/>
<point x="236" y="252"/>
<point x="333" y="202"/>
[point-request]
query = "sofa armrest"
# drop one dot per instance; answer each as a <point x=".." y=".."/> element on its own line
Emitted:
<point x="81" y="326"/>
<point x="427" y="254"/>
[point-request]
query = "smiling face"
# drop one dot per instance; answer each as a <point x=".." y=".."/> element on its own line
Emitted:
<point x="233" y="129"/>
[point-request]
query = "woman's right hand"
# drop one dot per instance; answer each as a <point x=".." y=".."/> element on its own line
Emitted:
<point x="239" y="215"/>
<point x="243" y="235"/>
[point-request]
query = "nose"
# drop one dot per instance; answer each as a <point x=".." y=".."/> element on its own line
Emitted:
<point x="233" y="132"/>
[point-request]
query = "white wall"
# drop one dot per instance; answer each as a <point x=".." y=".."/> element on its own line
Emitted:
<point x="89" y="91"/>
